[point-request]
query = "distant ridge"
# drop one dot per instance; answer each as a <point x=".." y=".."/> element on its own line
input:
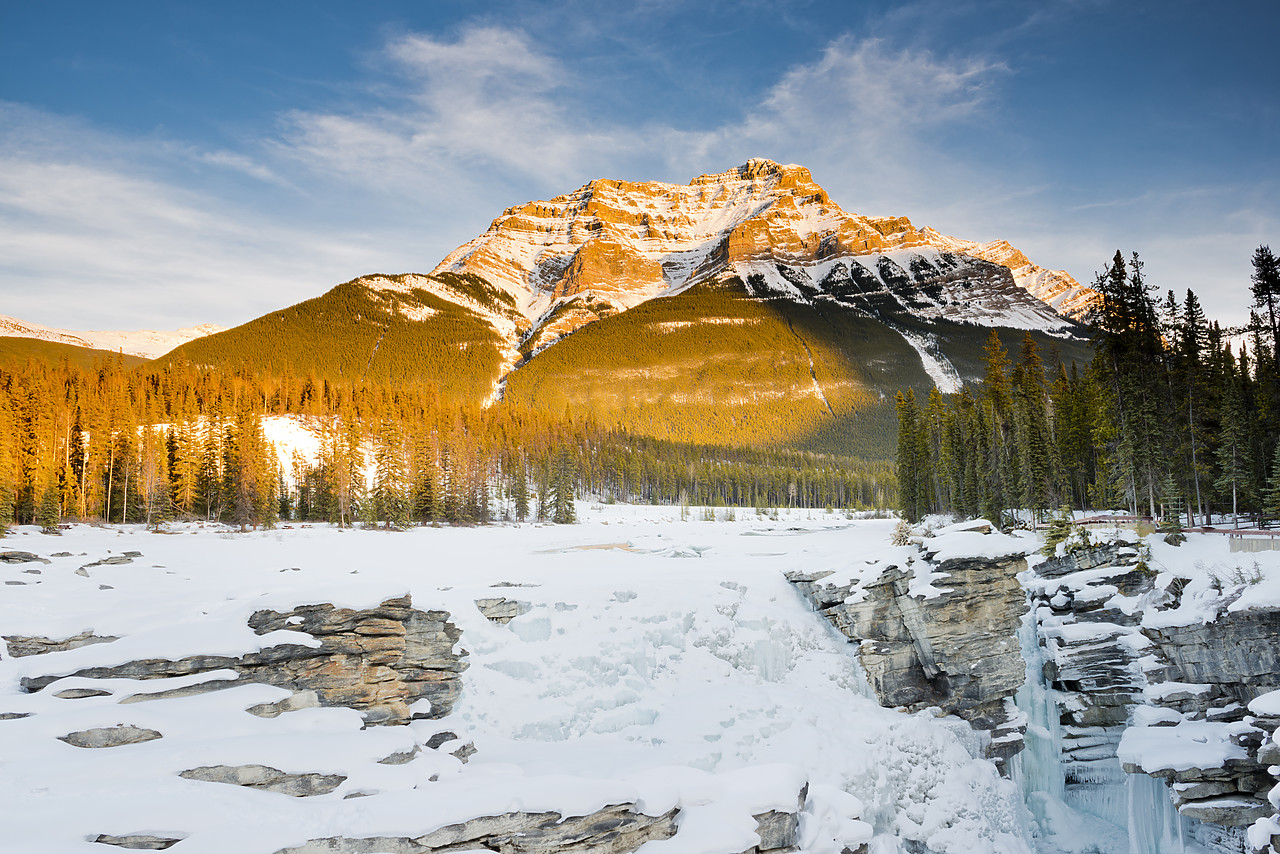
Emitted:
<point x="145" y="343"/>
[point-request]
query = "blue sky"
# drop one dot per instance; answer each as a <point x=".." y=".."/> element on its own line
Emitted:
<point x="164" y="164"/>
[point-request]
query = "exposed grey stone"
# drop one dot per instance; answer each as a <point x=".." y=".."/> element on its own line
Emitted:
<point x="403" y="757"/>
<point x="81" y="693"/>
<point x="379" y="661"/>
<point x="21" y="557"/>
<point x="113" y="560"/>
<point x="615" y="829"/>
<point x="22" y="645"/>
<point x="1106" y="554"/>
<point x="269" y="779"/>
<point x="440" y="738"/>
<point x="112" y="736"/>
<point x="14" y="716"/>
<point x="198" y="688"/>
<point x="139" y="842"/>
<point x="297" y="700"/>
<point x="1231" y="811"/>
<point x="502" y="610"/>
<point x="465" y="752"/>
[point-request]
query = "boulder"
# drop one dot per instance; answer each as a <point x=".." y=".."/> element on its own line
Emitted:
<point x="501" y="610"/>
<point x="114" y="736"/>
<point x="139" y="841"/>
<point x="268" y="779"/>
<point x="21" y="557"/>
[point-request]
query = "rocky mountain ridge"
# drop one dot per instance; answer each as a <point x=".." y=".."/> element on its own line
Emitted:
<point x="614" y="244"/>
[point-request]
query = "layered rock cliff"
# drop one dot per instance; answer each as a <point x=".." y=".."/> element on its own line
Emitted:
<point x="622" y="243"/>
<point x="937" y="633"/>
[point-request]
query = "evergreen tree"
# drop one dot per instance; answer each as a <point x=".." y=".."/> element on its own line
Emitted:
<point x="48" y="513"/>
<point x="562" y="508"/>
<point x="1271" y="498"/>
<point x="1234" y="455"/>
<point x="520" y="490"/>
<point x="1266" y="291"/>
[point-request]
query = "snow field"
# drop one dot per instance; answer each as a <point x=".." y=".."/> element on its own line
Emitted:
<point x="660" y="662"/>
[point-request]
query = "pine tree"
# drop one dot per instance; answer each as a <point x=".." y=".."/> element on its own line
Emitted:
<point x="390" y="484"/>
<point x="1266" y="291"/>
<point x="562" y="508"/>
<point x="520" y="490"/>
<point x="1234" y="455"/>
<point x="48" y="513"/>
<point x="1271" y="498"/>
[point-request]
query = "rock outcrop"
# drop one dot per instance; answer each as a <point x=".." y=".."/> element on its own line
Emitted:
<point x="24" y="645"/>
<point x="956" y="650"/>
<point x="139" y="841"/>
<point x="615" y="829"/>
<point x="380" y="661"/>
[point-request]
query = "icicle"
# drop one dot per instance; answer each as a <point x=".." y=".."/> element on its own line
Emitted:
<point x="1155" y="827"/>
<point x="1038" y="768"/>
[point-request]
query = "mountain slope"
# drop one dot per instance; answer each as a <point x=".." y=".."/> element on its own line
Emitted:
<point x="15" y="351"/>
<point x="744" y="308"/>
<point x="146" y="343"/>
<point x="451" y="330"/>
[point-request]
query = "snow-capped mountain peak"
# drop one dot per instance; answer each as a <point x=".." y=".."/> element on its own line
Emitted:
<point x="622" y="243"/>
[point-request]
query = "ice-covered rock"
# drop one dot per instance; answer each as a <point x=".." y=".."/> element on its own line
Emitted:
<point x="955" y="648"/>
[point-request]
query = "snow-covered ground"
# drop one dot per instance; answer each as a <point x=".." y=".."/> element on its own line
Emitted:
<point x="662" y="662"/>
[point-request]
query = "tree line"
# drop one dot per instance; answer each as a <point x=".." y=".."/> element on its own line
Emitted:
<point x="174" y="441"/>
<point x="1164" y="418"/>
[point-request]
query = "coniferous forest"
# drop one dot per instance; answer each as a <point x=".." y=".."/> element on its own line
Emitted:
<point x="1165" y="419"/>
<point x="157" y="442"/>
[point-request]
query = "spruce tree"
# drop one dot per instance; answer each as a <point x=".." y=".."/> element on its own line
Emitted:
<point x="562" y="489"/>
<point x="1266" y="291"/>
<point x="1234" y="455"/>
<point x="48" y="512"/>
<point x="1271" y="497"/>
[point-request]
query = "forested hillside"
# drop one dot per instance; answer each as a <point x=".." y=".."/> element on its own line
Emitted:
<point x="356" y="333"/>
<point x="1165" y="420"/>
<point x="16" y="351"/>
<point x="716" y="364"/>
<point x="151" y="444"/>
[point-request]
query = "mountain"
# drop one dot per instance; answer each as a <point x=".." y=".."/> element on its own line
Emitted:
<point x="145" y="343"/>
<point x="745" y="307"/>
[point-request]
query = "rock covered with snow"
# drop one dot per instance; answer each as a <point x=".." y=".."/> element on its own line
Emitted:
<point x="1154" y="660"/>
<point x="936" y="626"/>
<point x="380" y="661"/>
